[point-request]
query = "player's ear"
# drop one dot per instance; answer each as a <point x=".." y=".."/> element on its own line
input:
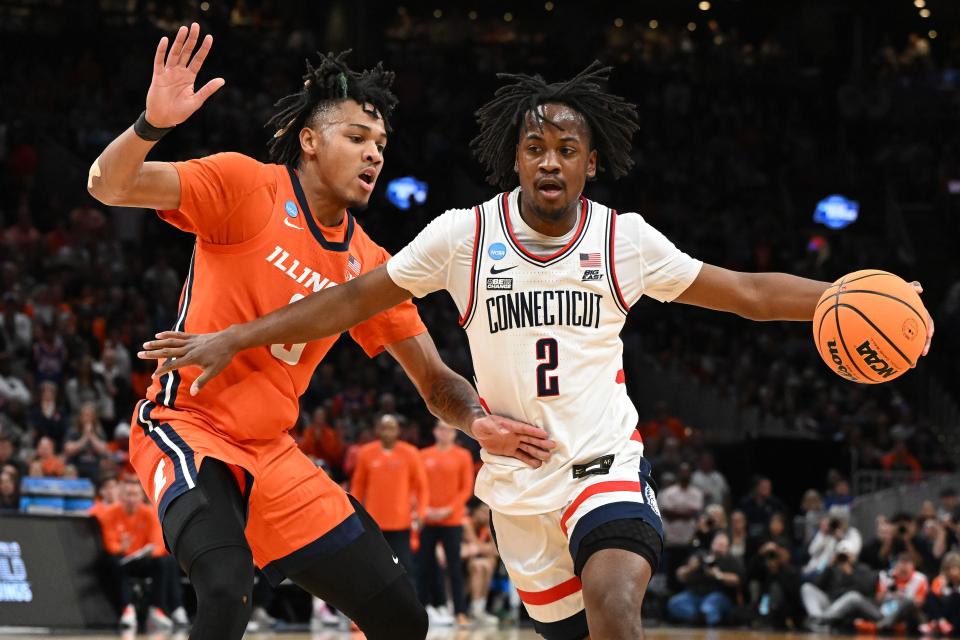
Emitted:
<point x="592" y="165"/>
<point x="310" y="141"/>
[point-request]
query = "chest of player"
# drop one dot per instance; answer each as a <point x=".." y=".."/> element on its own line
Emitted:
<point x="441" y="466"/>
<point x="388" y="464"/>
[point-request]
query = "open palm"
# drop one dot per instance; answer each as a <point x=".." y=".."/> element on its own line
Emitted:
<point x="171" y="98"/>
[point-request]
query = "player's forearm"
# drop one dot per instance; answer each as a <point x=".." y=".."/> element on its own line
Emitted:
<point x="319" y="315"/>
<point x="117" y="169"/>
<point x="452" y="399"/>
<point x="781" y="296"/>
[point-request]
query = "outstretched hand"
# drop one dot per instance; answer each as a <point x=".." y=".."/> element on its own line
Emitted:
<point x="171" y="98"/>
<point x="926" y="348"/>
<point x="211" y="352"/>
<point x="505" y="437"/>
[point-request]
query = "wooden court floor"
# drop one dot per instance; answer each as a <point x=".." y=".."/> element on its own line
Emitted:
<point x="444" y="634"/>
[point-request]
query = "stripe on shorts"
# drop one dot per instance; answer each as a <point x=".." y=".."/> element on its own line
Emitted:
<point x="179" y="453"/>
<point x="170" y="382"/>
<point x="592" y="490"/>
<point x="551" y="595"/>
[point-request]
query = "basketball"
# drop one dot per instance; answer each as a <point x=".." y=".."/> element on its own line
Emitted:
<point x="870" y="326"/>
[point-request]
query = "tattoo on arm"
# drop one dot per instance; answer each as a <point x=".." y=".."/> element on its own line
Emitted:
<point x="453" y="400"/>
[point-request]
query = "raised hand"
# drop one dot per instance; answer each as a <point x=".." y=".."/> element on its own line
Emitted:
<point x="505" y="437"/>
<point x="171" y="98"/>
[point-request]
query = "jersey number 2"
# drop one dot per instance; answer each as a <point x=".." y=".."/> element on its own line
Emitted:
<point x="280" y="351"/>
<point x="547" y="353"/>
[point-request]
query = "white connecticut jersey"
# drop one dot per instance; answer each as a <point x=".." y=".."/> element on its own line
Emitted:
<point x="543" y="316"/>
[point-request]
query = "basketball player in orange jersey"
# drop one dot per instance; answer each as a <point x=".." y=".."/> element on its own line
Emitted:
<point x="229" y="483"/>
<point x="547" y="276"/>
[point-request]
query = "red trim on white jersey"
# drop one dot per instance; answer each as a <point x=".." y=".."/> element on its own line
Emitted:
<point x="473" y="268"/>
<point x="592" y="490"/>
<point x="551" y="595"/>
<point x="559" y="252"/>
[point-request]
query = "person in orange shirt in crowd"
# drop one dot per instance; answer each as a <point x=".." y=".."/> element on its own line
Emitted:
<point x="108" y="492"/>
<point x="322" y="441"/>
<point x="449" y="469"/>
<point x="480" y="554"/>
<point x="50" y="462"/>
<point x="900" y="459"/>
<point x="663" y="425"/>
<point x="132" y="537"/>
<point x="388" y="478"/>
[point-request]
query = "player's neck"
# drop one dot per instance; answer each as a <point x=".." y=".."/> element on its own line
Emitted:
<point x="327" y="209"/>
<point x="549" y="224"/>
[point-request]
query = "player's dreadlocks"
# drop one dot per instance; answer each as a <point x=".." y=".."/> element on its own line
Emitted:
<point x="611" y="119"/>
<point x="330" y="83"/>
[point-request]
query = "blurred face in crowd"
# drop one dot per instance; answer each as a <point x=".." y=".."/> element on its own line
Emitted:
<point x="841" y="488"/>
<point x="48" y="392"/>
<point x="444" y="434"/>
<point x="720" y="545"/>
<point x="738" y="522"/>
<point x="764" y="488"/>
<point x="319" y="416"/>
<point x="812" y="501"/>
<point x="131" y="496"/>
<point x="554" y="160"/>
<point x="8" y="485"/>
<point x="706" y="463"/>
<point x="388" y="430"/>
<point x="952" y="571"/>
<point x="343" y="147"/>
<point x="45" y="448"/>
<point x="109" y="490"/>
<point x="88" y="414"/>
<point x="6" y="449"/>
<point x="903" y="569"/>
<point x="777" y="525"/>
<point x="683" y="474"/>
<point x="480" y="515"/>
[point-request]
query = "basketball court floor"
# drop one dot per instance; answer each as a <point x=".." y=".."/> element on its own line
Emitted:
<point x="465" y="634"/>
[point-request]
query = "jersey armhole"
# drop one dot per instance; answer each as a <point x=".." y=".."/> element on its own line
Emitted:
<point x="470" y="310"/>
<point x="611" y="263"/>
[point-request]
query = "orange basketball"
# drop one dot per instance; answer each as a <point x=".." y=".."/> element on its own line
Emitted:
<point x="870" y="326"/>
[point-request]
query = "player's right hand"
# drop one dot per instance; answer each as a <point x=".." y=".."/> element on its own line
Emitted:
<point x="211" y="352"/>
<point x="171" y="98"/>
<point x="505" y="437"/>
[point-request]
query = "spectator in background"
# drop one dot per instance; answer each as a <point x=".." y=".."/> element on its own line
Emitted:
<point x="942" y="606"/>
<point x="8" y="453"/>
<point x="934" y="534"/>
<point x="480" y="554"/>
<point x="776" y="533"/>
<point x="322" y="441"/>
<point x="51" y="464"/>
<point x="822" y="598"/>
<point x="900" y="459"/>
<point x="108" y="494"/>
<point x="710" y="481"/>
<point x="759" y="505"/>
<point x="878" y="553"/>
<point x="13" y="391"/>
<point x="901" y="593"/>
<point x="47" y="417"/>
<point x="680" y="504"/>
<point x="365" y="435"/>
<point x="16" y="329"/>
<point x="663" y="425"/>
<point x="389" y="481"/>
<point x="712" y="520"/>
<point x="9" y="491"/>
<point x="130" y="534"/>
<point x="739" y="540"/>
<point x="807" y="523"/>
<point x="775" y="588"/>
<point x="712" y="583"/>
<point x="119" y="448"/>
<point x="449" y="469"/>
<point x="49" y="354"/>
<point x="949" y="505"/>
<point x="834" y="529"/>
<point x="839" y="495"/>
<point x="86" y="443"/>
<point x="88" y="387"/>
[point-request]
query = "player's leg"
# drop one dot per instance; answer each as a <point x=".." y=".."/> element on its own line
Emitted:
<point x="303" y="526"/>
<point x="617" y="564"/>
<point x="205" y="529"/>
<point x="363" y="580"/>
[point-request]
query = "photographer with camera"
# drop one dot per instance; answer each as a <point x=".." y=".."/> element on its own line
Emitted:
<point x="834" y="529"/>
<point x="822" y="598"/>
<point x="774" y="587"/>
<point x="901" y="593"/>
<point x="712" y="580"/>
<point x="895" y="537"/>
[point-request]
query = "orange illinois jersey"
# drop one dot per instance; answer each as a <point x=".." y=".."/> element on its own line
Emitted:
<point x="258" y="248"/>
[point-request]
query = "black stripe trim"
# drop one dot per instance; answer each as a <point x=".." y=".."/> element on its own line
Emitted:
<point x="587" y="212"/>
<point x="163" y="398"/>
<point x="312" y="224"/>
<point x="480" y="214"/>
<point x="878" y="330"/>
<point x="843" y="343"/>
<point x="608" y="252"/>
<point x="874" y="293"/>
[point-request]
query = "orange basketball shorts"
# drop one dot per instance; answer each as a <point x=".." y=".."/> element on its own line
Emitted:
<point x="292" y="506"/>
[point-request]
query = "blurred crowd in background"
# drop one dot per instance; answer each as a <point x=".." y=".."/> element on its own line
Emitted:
<point x="745" y="125"/>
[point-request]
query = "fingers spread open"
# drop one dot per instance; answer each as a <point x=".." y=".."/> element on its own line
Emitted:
<point x="171" y="365"/>
<point x="177" y="47"/>
<point x="210" y="88"/>
<point x="160" y="55"/>
<point x="192" y="36"/>
<point x="201" y="55"/>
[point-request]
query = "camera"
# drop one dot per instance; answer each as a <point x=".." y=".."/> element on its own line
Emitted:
<point x="902" y="530"/>
<point x="842" y="558"/>
<point x="835" y="524"/>
<point x="709" y="560"/>
<point x="711" y="523"/>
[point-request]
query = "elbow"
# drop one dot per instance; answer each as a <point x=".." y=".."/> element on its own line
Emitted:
<point x="754" y="303"/>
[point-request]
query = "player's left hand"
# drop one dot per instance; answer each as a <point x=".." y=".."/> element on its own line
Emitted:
<point x="926" y="348"/>
<point x="212" y="352"/>
<point x="504" y="437"/>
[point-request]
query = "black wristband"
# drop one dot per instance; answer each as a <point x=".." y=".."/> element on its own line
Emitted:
<point x="147" y="131"/>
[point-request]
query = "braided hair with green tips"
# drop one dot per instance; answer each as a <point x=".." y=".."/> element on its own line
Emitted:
<point x="329" y="83"/>
<point x="612" y="121"/>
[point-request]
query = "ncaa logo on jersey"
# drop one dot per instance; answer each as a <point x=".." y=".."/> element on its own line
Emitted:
<point x="497" y="251"/>
<point x="291" y="208"/>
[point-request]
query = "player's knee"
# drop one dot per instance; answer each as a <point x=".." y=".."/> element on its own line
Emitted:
<point x="223" y="580"/>
<point x="395" y="614"/>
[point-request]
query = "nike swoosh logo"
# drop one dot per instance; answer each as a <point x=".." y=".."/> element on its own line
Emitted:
<point x="287" y="222"/>
<point x="396" y="560"/>
<point x="495" y="271"/>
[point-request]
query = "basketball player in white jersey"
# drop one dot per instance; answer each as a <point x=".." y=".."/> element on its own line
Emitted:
<point x="543" y="279"/>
